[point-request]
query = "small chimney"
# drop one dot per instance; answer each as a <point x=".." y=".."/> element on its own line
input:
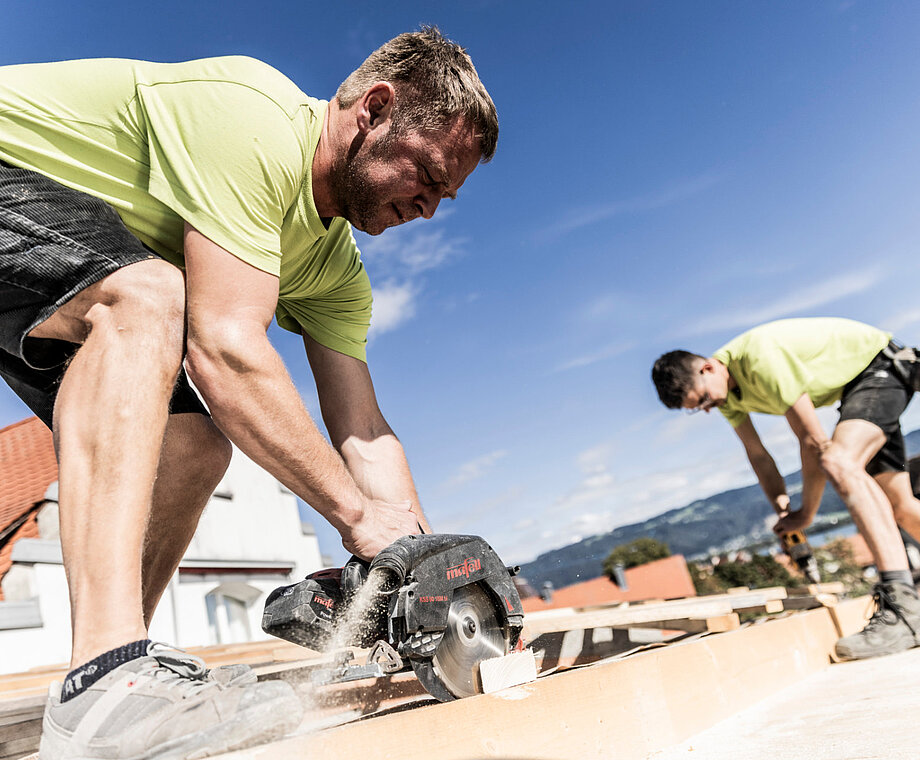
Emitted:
<point x="619" y="577"/>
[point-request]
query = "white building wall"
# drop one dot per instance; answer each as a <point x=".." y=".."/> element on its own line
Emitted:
<point x="25" y="648"/>
<point x="253" y="519"/>
<point x="257" y="519"/>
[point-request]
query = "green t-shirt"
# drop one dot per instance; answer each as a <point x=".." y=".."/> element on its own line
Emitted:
<point x="225" y="144"/>
<point x="775" y="363"/>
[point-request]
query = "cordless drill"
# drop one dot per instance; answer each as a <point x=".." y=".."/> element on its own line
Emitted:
<point x="797" y="547"/>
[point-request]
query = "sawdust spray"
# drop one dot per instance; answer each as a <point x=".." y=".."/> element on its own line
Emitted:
<point x="327" y="707"/>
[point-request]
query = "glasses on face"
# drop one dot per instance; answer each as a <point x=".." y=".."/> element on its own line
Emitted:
<point x="703" y="405"/>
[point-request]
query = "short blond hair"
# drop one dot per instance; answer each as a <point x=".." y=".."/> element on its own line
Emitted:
<point x="435" y="82"/>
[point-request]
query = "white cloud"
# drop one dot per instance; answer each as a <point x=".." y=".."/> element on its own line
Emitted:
<point x="410" y="250"/>
<point x="607" y="352"/>
<point x="897" y="323"/>
<point x="397" y="260"/>
<point x="474" y="469"/>
<point x="394" y="304"/>
<point x="796" y="301"/>
<point x="666" y="196"/>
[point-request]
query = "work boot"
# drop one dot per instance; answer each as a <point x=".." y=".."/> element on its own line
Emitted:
<point x="164" y="707"/>
<point x="893" y="627"/>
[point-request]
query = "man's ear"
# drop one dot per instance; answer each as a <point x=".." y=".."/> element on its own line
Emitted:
<point x="707" y="367"/>
<point x="376" y="106"/>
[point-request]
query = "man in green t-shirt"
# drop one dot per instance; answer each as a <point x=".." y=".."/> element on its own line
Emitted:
<point x="154" y="215"/>
<point x="790" y="367"/>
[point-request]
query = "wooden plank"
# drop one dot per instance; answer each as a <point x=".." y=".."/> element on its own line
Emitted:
<point x="851" y="615"/>
<point x="19" y="747"/>
<point x="810" y="602"/>
<point x="538" y="623"/>
<point x="723" y="623"/>
<point x="22" y="730"/>
<point x="660" y="697"/>
<point x="770" y="606"/>
<point x="813" y="589"/>
<point x="632" y="616"/>
<point x="513" y="669"/>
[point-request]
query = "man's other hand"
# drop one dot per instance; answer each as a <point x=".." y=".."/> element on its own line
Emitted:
<point x="380" y="525"/>
<point x="790" y="521"/>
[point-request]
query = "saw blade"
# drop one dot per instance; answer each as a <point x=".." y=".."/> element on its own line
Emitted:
<point x="473" y="634"/>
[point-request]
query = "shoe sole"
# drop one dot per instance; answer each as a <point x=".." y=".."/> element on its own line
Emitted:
<point x="907" y="644"/>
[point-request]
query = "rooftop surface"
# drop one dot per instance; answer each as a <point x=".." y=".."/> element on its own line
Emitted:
<point x="666" y="578"/>
<point x="852" y="711"/>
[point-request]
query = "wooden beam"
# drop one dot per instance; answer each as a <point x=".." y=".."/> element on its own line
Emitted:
<point x="513" y="669"/>
<point x="631" y="707"/>
<point x="702" y="607"/>
<point x="770" y="606"/>
<point x="813" y="589"/>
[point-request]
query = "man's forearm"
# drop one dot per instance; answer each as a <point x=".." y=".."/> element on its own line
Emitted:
<point x="381" y="471"/>
<point x="771" y="482"/>
<point x="813" y="480"/>
<point x="281" y="437"/>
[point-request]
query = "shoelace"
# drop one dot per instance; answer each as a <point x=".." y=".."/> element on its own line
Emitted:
<point x="886" y="611"/>
<point x="177" y="665"/>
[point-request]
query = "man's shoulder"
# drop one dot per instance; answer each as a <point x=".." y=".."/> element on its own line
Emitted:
<point x="242" y="70"/>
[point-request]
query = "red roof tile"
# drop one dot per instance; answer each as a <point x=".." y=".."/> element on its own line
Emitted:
<point x="27" y="468"/>
<point x="666" y="578"/>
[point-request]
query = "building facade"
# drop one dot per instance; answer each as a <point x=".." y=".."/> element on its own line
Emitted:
<point x="249" y="541"/>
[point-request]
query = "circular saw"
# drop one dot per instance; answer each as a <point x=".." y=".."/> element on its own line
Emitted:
<point x="440" y="604"/>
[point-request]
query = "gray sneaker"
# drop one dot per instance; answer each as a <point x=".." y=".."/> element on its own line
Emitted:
<point x="163" y="707"/>
<point x="894" y="626"/>
<point x="232" y="675"/>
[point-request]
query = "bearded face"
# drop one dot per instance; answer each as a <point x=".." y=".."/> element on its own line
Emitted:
<point x="393" y="178"/>
<point x="364" y="187"/>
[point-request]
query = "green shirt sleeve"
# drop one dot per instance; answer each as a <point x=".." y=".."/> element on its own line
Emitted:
<point x="326" y="293"/>
<point x="734" y="416"/>
<point x="227" y="159"/>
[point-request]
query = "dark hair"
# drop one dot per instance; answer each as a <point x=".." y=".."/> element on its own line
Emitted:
<point x="435" y="82"/>
<point x="674" y="375"/>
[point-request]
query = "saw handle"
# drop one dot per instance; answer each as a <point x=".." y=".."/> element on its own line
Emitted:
<point x="353" y="575"/>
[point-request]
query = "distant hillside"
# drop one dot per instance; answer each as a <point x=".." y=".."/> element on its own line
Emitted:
<point x="725" y="521"/>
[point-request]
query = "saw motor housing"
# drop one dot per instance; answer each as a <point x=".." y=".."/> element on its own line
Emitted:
<point x="420" y="577"/>
<point x="427" y="571"/>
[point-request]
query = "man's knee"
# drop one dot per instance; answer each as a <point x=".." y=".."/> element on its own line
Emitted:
<point x="839" y="465"/>
<point x="147" y="296"/>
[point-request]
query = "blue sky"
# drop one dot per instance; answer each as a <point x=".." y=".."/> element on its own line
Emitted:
<point x="668" y="175"/>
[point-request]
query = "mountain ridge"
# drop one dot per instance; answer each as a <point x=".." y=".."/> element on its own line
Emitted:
<point x="722" y="522"/>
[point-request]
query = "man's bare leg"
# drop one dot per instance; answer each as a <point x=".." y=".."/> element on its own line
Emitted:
<point x="853" y="445"/>
<point x="194" y="458"/>
<point x="906" y="506"/>
<point x="895" y="623"/>
<point x="109" y="420"/>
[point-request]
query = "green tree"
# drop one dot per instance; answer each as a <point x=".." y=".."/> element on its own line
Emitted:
<point x="704" y="580"/>
<point x="762" y="571"/>
<point x="636" y="552"/>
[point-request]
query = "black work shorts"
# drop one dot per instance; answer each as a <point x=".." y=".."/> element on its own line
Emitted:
<point x="879" y="396"/>
<point x="54" y="242"/>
